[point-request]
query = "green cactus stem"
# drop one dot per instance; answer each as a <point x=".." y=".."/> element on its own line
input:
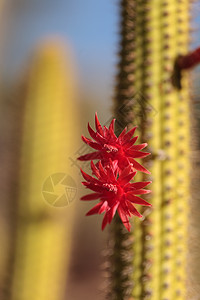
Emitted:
<point x="42" y="245"/>
<point x="153" y="35"/>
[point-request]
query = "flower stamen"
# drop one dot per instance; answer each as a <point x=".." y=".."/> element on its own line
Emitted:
<point x="110" y="148"/>
<point x="110" y="187"/>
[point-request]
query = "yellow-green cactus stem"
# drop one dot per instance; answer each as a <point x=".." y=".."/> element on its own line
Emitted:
<point x="44" y="215"/>
<point x="153" y="34"/>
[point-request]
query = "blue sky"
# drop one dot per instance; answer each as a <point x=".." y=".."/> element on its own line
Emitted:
<point x="89" y="26"/>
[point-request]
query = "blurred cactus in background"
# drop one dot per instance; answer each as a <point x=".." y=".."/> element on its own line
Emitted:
<point x="46" y="182"/>
<point x="150" y="263"/>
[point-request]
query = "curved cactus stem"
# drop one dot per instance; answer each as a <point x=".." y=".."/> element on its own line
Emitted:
<point x="48" y="136"/>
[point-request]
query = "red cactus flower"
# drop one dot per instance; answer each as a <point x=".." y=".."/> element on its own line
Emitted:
<point x="115" y="192"/>
<point x="109" y="146"/>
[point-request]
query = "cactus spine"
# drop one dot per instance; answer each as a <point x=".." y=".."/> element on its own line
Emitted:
<point x="48" y="137"/>
<point x="153" y="34"/>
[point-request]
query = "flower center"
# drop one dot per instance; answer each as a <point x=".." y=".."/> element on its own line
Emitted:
<point x="110" y="148"/>
<point x="110" y="187"/>
<point x="120" y="192"/>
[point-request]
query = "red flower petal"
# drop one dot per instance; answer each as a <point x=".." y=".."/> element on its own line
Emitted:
<point x="112" y="212"/>
<point x="130" y="143"/>
<point x="124" y="218"/>
<point x="139" y="147"/>
<point x="137" y="154"/>
<point x="139" y="185"/>
<point x="125" y="172"/>
<point x="122" y="134"/>
<point x="129" y="134"/>
<point x="140" y="192"/>
<point x="93" y="187"/>
<point x="90" y="156"/>
<point x="138" y="166"/>
<point x="98" y="125"/>
<point x="102" y="172"/>
<point x="105" y="221"/>
<point x="106" y="132"/>
<point x="89" y="197"/>
<point x="91" y="143"/>
<point x="95" y="170"/>
<point x="95" y="209"/>
<point x="125" y="179"/>
<point x="137" y="200"/>
<point x="89" y="178"/>
<point x="111" y="127"/>
<point x="133" y="210"/>
<point x="92" y="133"/>
<point x="101" y="139"/>
<point x="111" y="174"/>
<point x="103" y="207"/>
